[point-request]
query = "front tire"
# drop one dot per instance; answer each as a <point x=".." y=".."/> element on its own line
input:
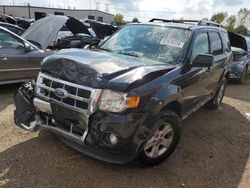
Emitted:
<point x="163" y="141"/>
<point x="215" y="102"/>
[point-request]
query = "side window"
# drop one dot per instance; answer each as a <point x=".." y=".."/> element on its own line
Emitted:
<point x="201" y="45"/>
<point x="226" y="42"/>
<point x="7" y="41"/>
<point x="215" y="43"/>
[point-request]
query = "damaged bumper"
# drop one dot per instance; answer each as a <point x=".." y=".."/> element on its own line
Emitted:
<point x="236" y="70"/>
<point x="115" y="138"/>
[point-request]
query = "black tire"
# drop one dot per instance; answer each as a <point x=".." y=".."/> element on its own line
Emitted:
<point x="242" y="77"/>
<point x="171" y="119"/>
<point x="215" y="102"/>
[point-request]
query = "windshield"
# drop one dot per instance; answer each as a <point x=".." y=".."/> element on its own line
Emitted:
<point x="162" y="44"/>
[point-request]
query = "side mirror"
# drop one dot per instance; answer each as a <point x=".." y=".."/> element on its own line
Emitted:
<point x="203" y="60"/>
<point x="28" y="47"/>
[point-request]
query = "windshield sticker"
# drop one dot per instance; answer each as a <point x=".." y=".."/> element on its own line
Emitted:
<point x="171" y="42"/>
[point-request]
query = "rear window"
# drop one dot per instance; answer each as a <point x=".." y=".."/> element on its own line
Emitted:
<point x="215" y="43"/>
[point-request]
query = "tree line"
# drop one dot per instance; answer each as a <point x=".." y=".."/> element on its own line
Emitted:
<point x="235" y="23"/>
<point x="239" y="23"/>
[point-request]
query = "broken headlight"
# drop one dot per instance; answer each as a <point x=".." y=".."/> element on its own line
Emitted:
<point x="113" y="101"/>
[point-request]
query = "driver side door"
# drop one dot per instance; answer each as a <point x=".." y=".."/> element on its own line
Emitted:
<point x="13" y="60"/>
<point x="195" y="81"/>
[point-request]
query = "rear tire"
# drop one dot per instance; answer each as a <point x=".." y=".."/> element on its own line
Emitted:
<point x="163" y="141"/>
<point x="215" y="102"/>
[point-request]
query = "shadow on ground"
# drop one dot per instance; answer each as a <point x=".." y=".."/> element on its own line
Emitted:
<point x="240" y="91"/>
<point x="5" y="92"/>
<point x="212" y="153"/>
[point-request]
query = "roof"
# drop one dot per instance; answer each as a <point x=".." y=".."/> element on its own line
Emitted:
<point x="188" y="26"/>
<point x="11" y="25"/>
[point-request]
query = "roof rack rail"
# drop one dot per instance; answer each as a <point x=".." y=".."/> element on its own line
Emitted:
<point x="209" y="23"/>
<point x="199" y="22"/>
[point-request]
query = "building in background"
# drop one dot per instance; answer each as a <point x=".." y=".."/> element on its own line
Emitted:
<point x="34" y="12"/>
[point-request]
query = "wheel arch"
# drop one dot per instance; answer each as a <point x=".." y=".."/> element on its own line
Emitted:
<point x="174" y="106"/>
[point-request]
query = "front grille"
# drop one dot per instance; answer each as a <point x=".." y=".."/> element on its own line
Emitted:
<point x="78" y="97"/>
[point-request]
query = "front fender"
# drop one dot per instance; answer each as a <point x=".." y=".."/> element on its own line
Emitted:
<point x="164" y="96"/>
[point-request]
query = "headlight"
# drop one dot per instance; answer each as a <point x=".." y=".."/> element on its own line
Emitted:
<point x="116" y="101"/>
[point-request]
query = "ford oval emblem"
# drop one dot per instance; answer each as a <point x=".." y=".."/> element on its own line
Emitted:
<point x="61" y="93"/>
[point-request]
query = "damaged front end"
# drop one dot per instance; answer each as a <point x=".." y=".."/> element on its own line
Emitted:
<point x="76" y="119"/>
<point x="39" y="106"/>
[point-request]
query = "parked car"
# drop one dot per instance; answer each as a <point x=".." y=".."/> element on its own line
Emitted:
<point x="14" y="28"/>
<point x="55" y="32"/>
<point x="99" y="30"/>
<point x="126" y="99"/>
<point x="49" y="27"/>
<point x="19" y="59"/>
<point x="23" y="22"/>
<point x="241" y="61"/>
<point x="7" y="19"/>
<point x="95" y="33"/>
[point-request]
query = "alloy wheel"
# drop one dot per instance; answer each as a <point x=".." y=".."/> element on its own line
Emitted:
<point x="160" y="141"/>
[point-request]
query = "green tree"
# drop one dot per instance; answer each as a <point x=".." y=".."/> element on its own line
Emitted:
<point x="244" y="17"/>
<point x="135" y="20"/>
<point x="219" y="17"/>
<point x="231" y="20"/>
<point x="241" y="29"/>
<point x="119" y="19"/>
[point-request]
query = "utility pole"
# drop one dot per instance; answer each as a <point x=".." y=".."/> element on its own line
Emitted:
<point x="90" y="7"/>
<point x="97" y="5"/>
<point x="13" y="1"/>
<point x="107" y="7"/>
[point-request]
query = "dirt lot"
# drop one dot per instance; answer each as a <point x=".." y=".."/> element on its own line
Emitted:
<point x="213" y="152"/>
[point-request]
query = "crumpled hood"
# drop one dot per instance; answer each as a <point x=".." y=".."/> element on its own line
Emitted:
<point x="45" y="30"/>
<point x="100" y="69"/>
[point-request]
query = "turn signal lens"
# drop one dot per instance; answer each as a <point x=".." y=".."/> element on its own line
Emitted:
<point x="132" y="102"/>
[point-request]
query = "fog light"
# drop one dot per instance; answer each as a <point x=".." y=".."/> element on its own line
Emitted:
<point x="113" y="139"/>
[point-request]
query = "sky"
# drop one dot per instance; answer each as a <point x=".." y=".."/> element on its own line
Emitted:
<point x="147" y="9"/>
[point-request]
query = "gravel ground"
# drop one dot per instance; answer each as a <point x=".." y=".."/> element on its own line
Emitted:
<point x="213" y="152"/>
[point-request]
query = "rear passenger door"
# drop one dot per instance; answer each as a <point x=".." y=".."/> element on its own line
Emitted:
<point x="220" y="59"/>
<point x="12" y="57"/>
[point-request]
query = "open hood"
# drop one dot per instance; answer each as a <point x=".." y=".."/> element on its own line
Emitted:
<point x="8" y="19"/>
<point x="239" y="41"/>
<point x="43" y="31"/>
<point x="101" y="30"/>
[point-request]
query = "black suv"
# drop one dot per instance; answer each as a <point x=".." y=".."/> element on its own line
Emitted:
<point x="126" y="99"/>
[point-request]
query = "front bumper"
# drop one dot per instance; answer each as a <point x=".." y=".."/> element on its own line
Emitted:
<point x="86" y="133"/>
<point x="236" y="70"/>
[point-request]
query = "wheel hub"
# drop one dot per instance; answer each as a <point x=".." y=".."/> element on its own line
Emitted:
<point x="160" y="141"/>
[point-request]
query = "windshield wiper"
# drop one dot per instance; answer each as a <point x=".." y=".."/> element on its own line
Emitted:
<point x="133" y="54"/>
<point x="105" y="49"/>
